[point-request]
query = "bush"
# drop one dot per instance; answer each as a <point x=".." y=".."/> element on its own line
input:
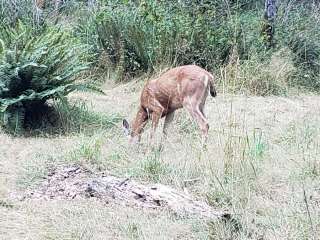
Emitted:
<point x="128" y="37"/>
<point x="138" y="37"/>
<point x="130" y="41"/>
<point x="35" y="68"/>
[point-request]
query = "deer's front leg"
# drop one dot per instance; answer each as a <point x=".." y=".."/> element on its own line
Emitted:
<point x="155" y="117"/>
<point x="167" y="121"/>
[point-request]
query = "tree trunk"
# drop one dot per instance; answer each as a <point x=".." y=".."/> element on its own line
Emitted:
<point x="39" y="6"/>
<point x="268" y="28"/>
<point x="57" y="4"/>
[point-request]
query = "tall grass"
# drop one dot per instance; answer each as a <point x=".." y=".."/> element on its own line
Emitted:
<point x="135" y="38"/>
<point x="300" y="30"/>
<point x="130" y="38"/>
<point x="139" y="37"/>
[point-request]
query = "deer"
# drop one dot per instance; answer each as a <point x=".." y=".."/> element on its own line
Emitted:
<point x="180" y="87"/>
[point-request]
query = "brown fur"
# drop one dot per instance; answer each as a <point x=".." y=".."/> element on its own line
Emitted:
<point x="184" y="86"/>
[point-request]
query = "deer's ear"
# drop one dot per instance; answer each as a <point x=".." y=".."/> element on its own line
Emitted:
<point x="126" y="126"/>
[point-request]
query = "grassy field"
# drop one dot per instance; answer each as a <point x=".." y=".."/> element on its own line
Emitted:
<point x="262" y="164"/>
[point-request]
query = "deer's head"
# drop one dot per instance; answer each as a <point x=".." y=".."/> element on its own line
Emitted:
<point x="133" y="138"/>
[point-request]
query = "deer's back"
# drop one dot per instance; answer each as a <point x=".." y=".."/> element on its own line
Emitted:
<point x="173" y="86"/>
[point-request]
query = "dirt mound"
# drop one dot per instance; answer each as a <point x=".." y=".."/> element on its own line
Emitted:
<point x="78" y="182"/>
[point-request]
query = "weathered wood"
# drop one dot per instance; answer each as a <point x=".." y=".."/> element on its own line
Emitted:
<point x="76" y="182"/>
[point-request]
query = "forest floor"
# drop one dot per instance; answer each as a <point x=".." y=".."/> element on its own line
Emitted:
<point x="262" y="164"/>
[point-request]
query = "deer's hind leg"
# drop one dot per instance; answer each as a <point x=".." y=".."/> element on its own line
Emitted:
<point x="195" y="109"/>
<point x="202" y="103"/>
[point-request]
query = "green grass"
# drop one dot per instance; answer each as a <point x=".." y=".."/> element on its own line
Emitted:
<point x="257" y="164"/>
<point x="78" y="118"/>
<point x="153" y="168"/>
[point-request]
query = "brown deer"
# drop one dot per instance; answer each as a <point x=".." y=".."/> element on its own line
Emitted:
<point x="184" y="86"/>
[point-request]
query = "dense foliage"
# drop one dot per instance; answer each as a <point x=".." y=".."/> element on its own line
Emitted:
<point x="139" y="36"/>
<point x="35" y="67"/>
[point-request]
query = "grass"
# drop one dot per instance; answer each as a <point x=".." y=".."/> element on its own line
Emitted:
<point x="77" y="117"/>
<point x="261" y="163"/>
<point x="153" y="168"/>
<point x="87" y="151"/>
<point x="92" y="220"/>
<point x="35" y="170"/>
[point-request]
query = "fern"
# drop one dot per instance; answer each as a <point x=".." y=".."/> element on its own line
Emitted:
<point x="35" y="68"/>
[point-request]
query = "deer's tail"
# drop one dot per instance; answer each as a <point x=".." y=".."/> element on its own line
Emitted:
<point x="212" y="88"/>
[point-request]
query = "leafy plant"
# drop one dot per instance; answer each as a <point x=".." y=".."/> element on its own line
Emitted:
<point x="35" y="68"/>
<point x="123" y="36"/>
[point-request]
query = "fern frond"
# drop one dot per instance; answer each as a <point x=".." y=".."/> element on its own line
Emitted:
<point x="37" y="67"/>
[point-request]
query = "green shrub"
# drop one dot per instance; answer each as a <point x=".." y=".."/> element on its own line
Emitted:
<point x="132" y="37"/>
<point x="138" y="37"/>
<point x="130" y="43"/>
<point x="35" y="68"/>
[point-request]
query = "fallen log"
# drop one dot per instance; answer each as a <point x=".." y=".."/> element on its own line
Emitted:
<point x="77" y="182"/>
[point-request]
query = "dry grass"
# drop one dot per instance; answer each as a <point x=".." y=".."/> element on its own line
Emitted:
<point x="271" y="76"/>
<point x="262" y="163"/>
